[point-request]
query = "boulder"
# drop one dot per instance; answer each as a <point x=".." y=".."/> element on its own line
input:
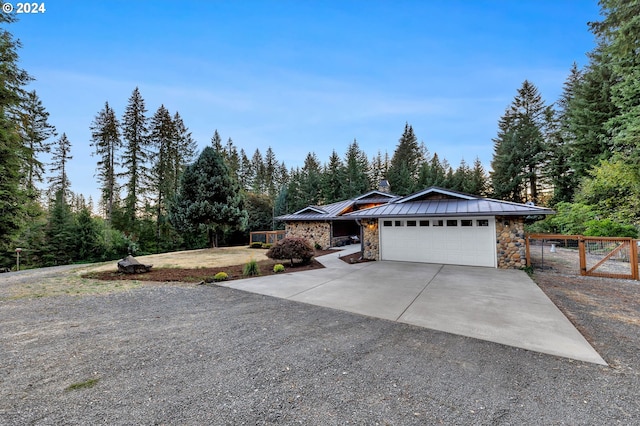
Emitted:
<point x="129" y="265"/>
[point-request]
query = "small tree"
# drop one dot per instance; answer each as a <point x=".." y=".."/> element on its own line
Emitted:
<point x="292" y="248"/>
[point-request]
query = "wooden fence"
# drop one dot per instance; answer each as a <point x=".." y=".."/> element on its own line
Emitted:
<point x="609" y="257"/>
<point x="266" y="237"/>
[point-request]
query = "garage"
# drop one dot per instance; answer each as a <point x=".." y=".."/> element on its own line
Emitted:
<point x="458" y="240"/>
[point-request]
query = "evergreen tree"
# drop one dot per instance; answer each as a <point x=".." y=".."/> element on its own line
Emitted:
<point x="105" y="138"/>
<point x="257" y="173"/>
<point x="333" y="180"/>
<point x="209" y="200"/>
<point x="433" y="173"/>
<point x="270" y="173"/>
<point x="59" y="235"/>
<point x="311" y="181"/>
<point x="35" y="132"/>
<point x="405" y="163"/>
<point x="477" y="184"/>
<point x="378" y="168"/>
<point x="61" y="155"/>
<point x="163" y="138"/>
<point x="245" y="172"/>
<point x="135" y="157"/>
<point x="520" y="147"/>
<point x="619" y="32"/>
<point x="357" y="171"/>
<point x="587" y="113"/>
<point x="86" y="231"/>
<point x="232" y="157"/>
<point x="185" y="151"/>
<point x="558" y="168"/>
<point x="13" y="199"/>
<point x="216" y="142"/>
<point x="461" y="178"/>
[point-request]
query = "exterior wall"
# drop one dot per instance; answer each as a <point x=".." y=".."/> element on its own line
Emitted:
<point x="370" y="239"/>
<point x="511" y="248"/>
<point x="316" y="232"/>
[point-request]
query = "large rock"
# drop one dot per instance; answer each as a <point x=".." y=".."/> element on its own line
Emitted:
<point x="129" y="265"/>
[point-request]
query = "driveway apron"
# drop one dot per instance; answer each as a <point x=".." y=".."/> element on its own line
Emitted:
<point x="502" y="306"/>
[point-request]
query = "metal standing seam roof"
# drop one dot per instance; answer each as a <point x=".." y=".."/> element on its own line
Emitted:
<point x="450" y="207"/>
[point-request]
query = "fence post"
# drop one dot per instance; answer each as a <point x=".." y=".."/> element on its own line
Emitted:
<point x="583" y="257"/>
<point x="527" y="247"/>
<point x="633" y="258"/>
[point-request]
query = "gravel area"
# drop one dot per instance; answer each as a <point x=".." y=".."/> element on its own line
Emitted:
<point x="190" y="355"/>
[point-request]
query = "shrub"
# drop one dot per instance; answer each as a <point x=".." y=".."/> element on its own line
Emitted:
<point x="278" y="267"/>
<point x="251" y="269"/>
<point x="220" y="276"/>
<point x="292" y="248"/>
<point x="317" y="246"/>
<point x="609" y="228"/>
<point x="266" y="245"/>
<point x="256" y="244"/>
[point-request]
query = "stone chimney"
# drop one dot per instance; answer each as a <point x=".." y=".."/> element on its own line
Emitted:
<point x="383" y="186"/>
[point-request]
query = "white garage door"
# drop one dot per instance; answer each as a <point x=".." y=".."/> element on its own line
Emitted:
<point x="453" y="240"/>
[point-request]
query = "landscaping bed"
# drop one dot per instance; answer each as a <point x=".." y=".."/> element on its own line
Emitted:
<point x="197" y="275"/>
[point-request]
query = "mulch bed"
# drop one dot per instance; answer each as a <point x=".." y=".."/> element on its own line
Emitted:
<point x="198" y="275"/>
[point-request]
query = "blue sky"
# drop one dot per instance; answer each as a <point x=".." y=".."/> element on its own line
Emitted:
<point x="303" y="76"/>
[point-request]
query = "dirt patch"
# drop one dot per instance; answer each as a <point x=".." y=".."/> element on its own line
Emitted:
<point x="605" y="310"/>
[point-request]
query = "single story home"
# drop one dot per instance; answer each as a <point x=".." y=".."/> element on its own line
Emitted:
<point x="435" y="225"/>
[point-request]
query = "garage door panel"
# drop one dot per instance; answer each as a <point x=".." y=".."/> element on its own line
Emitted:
<point x="457" y="245"/>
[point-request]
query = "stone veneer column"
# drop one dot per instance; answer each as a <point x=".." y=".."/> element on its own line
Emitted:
<point x="370" y="239"/>
<point x="511" y="247"/>
<point x="316" y="232"/>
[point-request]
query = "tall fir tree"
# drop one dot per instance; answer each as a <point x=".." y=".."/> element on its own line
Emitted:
<point x="105" y="138"/>
<point x="405" y="163"/>
<point x="520" y="147"/>
<point x="163" y="139"/>
<point x="13" y="199"/>
<point x="35" y="132"/>
<point x="59" y="181"/>
<point x="333" y="180"/>
<point x="135" y="157"/>
<point x="356" y="171"/>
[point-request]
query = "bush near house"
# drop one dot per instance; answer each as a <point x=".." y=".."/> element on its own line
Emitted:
<point x="278" y="267"/>
<point x="292" y="248"/>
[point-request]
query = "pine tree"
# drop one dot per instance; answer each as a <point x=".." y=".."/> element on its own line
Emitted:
<point x="405" y="163"/>
<point x="619" y="32"/>
<point x="209" y="200"/>
<point x="35" y="132"/>
<point x="311" y="180"/>
<point x="61" y="154"/>
<point x="257" y="173"/>
<point x="13" y="200"/>
<point x="216" y="142"/>
<point x="587" y="113"/>
<point x="163" y="138"/>
<point x="59" y="234"/>
<point x="105" y="138"/>
<point x="558" y="169"/>
<point x="135" y="157"/>
<point x="185" y="151"/>
<point x="333" y="180"/>
<point x="270" y="173"/>
<point x="356" y="171"/>
<point x="520" y="147"/>
<point x="477" y="184"/>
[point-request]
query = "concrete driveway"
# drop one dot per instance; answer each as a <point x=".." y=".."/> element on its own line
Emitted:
<point x="502" y="306"/>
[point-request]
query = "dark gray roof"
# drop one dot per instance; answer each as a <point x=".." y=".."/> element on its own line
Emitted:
<point x="433" y="201"/>
<point x="450" y="207"/>
<point x="334" y="211"/>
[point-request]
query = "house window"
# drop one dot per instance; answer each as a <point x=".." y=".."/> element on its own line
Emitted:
<point x="411" y="223"/>
<point x="399" y="223"/>
<point x="466" y="222"/>
<point x="424" y="223"/>
<point x="452" y="222"/>
<point x="482" y="222"/>
<point x="386" y="223"/>
<point x="438" y="222"/>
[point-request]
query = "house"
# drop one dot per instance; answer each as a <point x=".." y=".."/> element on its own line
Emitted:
<point x="328" y="226"/>
<point x="435" y="225"/>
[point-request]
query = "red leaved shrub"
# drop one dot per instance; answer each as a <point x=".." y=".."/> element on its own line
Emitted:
<point x="292" y="248"/>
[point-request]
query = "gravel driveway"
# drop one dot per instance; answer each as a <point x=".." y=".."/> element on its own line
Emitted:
<point x="213" y="355"/>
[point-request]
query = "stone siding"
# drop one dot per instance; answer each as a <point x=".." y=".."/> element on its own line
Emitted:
<point x="370" y="239"/>
<point x="511" y="247"/>
<point x="316" y="232"/>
